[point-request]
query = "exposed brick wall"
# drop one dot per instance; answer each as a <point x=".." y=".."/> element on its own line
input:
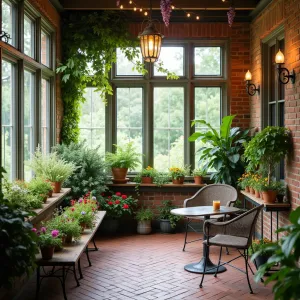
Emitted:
<point x="280" y="12"/>
<point x="239" y="62"/>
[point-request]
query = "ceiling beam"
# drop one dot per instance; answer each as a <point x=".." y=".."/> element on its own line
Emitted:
<point x="183" y="4"/>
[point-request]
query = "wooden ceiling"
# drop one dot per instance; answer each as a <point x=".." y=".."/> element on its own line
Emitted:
<point x="209" y="10"/>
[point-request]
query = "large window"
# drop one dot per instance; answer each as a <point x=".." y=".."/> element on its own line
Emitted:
<point x="29" y="36"/>
<point x="9" y="21"/>
<point x="45" y="48"/>
<point x="155" y="113"/>
<point x="45" y="116"/>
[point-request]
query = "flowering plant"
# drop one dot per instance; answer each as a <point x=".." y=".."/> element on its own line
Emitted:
<point x="118" y="205"/>
<point x="47" y="238"/>
<point x="264" y="185"/>
<point x="148" y="172"/>
<point x="176" y="173"/>
<point x="258" y="245"/>
<point x="244" y="180"/>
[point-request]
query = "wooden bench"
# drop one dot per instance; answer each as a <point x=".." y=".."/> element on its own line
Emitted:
<point x="64" y="261"/>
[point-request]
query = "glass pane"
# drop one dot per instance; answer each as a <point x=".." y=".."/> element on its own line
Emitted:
<point x="273" y="75"/>
<point x="28" y="120"/>
<point x="92" y="120"/>
<point x="28" y="37"/>
<point x="45" y="116"/>
<point x="168" y="127"/>
<point x="45" y="48"/>
<point x="172" y="58"/>
<point x="8" y="21"/>
<point x="130" y="117"/>
<point x="207" y="108"/>
<point x="207" y="61"/>
<point x="124" y="66"/>
<point x="272" y="115"/>
<point x="7" y="109"/>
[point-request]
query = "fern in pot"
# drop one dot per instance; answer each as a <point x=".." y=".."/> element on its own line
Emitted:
<point x="144" y="217"/>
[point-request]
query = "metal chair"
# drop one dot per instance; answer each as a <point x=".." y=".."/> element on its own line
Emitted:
<point x="236" y="233"/>
<point x="204" y="197"/>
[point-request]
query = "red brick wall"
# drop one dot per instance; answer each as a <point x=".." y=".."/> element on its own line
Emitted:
<point x="279" y="12"/>
<point x="239" y="63"/>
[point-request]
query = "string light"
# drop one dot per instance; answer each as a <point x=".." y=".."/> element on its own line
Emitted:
<point x="146" y="13"/>
<point x="197" y="18"/>
<point x="141" y="9"/>
<point x="121" y="7"/>
<point x="173" y="7"/>
<point x="188" y="15"/>
<point x="134" y="8"/>
<point x="130" y="2"/>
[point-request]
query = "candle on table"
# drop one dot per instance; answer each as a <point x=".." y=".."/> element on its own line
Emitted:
<point x="216" y="204"/>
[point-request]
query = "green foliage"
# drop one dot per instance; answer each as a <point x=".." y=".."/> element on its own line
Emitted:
<point x="176" y="173"/>
<point x="199" y="172"/>
<point x="17" y="242"/>
<point x="48" y="238"/>
<point x="222" y="150"/>
<point x="267" y="148"/>
<point x="144" y="214"/>
<point x="161" y="178"/>
<point x="287" y="255"/>
<point x="38" y="186"/>
<point x="165" y="214"/>
<point x="124" y="157"/>
<point x="90" y="174"/>
<point x="259" y="245"/>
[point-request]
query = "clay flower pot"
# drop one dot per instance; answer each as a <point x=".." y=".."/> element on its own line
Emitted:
<point x="179" y="180"/>
<point x="198" y="179"/>
<point x="251" y="190"/>
<point x="247" y="190"/>
<point x="83" y="226"/>
<point x="47" y="252"/>
<point x="269" y="196"/>
<point x="119" y="173"/>
<point x="147" y="180"/>
<point x="68" y="239"/>
<point x="257" y="194"/>
<point x="50" y="193"/>
<point x="57" y="187"/>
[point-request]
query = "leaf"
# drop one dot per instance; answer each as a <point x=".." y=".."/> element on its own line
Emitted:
<point x="195" y="136"/>
<point x="225" y="126"/>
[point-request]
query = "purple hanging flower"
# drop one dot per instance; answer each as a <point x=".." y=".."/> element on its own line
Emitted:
<point x="118" y="3"/>
<point x="55" y="233"/>
<point x="231" y="15"/>
<point x="166" y="9"/>
<point x="43" y="229"/>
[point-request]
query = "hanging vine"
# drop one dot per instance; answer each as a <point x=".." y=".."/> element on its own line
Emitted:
<point x="89" y="42"/>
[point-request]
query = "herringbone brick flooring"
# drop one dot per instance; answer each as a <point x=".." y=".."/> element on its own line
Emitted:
<point x="149" y="267"/>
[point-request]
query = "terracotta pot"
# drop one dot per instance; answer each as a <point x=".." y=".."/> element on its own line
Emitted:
<point x="198" y="179"/>
<point x="119" y="173"/>
<point x="179" y="180"/>
<point x="251" y="190"/>
<point x="45" y="197"/>
<point x="247" y="190"/>
<point x="50" y="193"/>
<point x="47" y="252"/>
<point x="257" y="194"/>
<point x="57" y="186"/>
<point x="68" y="239"/>
<point x="57" y="249"/>
<point x="261" y="195"/>
<point x="83" y="226"/>
<point x="148" y="180"/>
<point x="269" y="196"/>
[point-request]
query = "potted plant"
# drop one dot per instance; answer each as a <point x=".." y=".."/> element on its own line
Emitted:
<point x="121" y="160"/>
<point x="116" y="206"/>
<point x="269" y="190"/>
<point x="148" y="175"/>
<point x="167" y="220"/>
<point x="144" y="217"/>
<point x="198" y="175"/>
<point x="244" y="182"/>
<point x="177" y="174"/>
<point x="221" y="150"/>
<point x="259" y="245"/>
<point x="39" y="187"/>
<point x="266" y="150"/>
<point x="47" y="241"/>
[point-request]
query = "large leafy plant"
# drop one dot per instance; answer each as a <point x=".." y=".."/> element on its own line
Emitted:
<point x="286" y="253"/>
<point x="165" y="213"/>
<point x="221" y="150"/>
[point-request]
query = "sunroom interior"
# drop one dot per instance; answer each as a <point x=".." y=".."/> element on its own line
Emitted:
<point x="181" y="89"/>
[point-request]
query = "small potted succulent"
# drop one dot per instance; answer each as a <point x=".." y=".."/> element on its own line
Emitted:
<point x="47" y="241"/>
<point x="39" y="187"/>
<point x="198" y="175"/>
<point x="144" y="217"/>
<point x="168" y="221"/>
<point x="177" y="174"/>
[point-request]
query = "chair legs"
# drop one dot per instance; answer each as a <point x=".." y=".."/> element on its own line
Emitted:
<point x="246" y="264"/>
<point x="219" y="262"/>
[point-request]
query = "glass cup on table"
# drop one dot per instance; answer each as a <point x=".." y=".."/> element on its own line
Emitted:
<point x="216" y="204"/>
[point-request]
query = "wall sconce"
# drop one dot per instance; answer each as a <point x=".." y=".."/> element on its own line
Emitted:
<point x="251" y="87"/>
<point x="284" y="75"/>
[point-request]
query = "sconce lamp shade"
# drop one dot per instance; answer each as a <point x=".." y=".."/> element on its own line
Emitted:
<point x="279" y="58"/>
<point x="150" y="42"/>
<point x="248" y="76"/>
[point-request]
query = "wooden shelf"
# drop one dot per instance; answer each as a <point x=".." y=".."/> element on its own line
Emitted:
<point x="169" y="185"/>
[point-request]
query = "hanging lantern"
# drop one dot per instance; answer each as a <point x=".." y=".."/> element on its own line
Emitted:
<point x="150" y="42"/>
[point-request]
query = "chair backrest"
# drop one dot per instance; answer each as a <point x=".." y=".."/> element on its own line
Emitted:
<point x="223" y="192"/>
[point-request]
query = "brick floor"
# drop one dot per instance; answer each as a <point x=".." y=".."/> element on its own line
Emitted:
<point x="149" y="267"/>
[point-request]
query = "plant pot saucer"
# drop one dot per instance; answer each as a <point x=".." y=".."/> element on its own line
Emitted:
<point x="120" y="181"/>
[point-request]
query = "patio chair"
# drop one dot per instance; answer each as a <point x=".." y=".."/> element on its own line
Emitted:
<point x="236" y="233"/>
<point x="204" y="197"/>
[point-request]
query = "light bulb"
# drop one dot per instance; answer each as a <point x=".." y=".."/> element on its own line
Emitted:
<point x="130" y="2"/>
<point x="173" y="7"/>
<point x="134" y="8"/>
<point x="248" y="76"/>
<point x="121" y="7"/>
<point x="198" y="18"/>
<point x="141" y="9"/>
<point x="188" y="15"/>
<point x="146" y="13"/>
<point x="279" y="58"/>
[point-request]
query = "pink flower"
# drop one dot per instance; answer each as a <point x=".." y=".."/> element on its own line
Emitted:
<point x="118" y="194"/>
<point x="43" y="229"/>
<point x="117" y="201"/>
<point x="110" y="203"/>
<point x="125" y="206"/>
<point x="34" y="229"/>
<point x="80" y="200"/>
<point x="55" y="233"/>
<point x="124" y="197"/>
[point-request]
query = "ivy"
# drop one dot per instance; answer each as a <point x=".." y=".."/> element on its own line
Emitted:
<point x="89" y="42"/>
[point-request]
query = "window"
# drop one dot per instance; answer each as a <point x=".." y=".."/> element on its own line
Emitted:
<point x="45" y="49"/>
<point x="168" y="127"/>
<point x="29" y="88"/>
<point x="155" y="113"/>
<point x="92" y="121"/>
<point x="9" y="21"/>
<point x="7" y="132"/>
<point x="29" y="36"/>
<point x="45" y="116"/>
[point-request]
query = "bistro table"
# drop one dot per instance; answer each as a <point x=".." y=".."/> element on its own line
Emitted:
<point x="206" y="212"/>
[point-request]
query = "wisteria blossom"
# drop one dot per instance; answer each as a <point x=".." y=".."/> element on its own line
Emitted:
<point x="231" y="15"/>
<point x="166" y="9"/>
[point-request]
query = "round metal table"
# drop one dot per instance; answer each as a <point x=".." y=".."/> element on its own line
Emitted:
<point x="206" y="212"/>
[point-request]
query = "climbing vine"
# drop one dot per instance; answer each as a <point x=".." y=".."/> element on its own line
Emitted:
<point x="89" y="42"/>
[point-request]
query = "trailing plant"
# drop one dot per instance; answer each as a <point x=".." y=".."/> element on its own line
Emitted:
<point x="18" y="245"/>
<point x="144" y="214"/>
<point x="222" y="150"/>
<point x="89" y="42"/>
<point x="161" y="178"/>
<point x="124" y="157"/>
<point x="90" y="174"/>
<point x="286" y="253"/>
<point x="165" y="213"/>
